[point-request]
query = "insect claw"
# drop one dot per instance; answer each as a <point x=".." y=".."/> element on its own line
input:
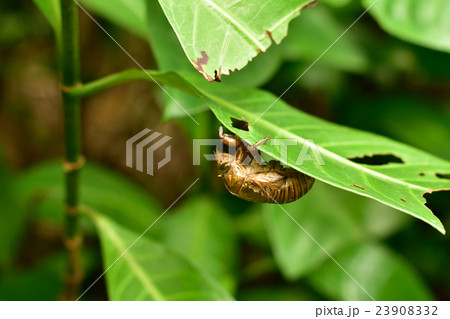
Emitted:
<point x="221" y="132"/>
<point x="261" y="142"/>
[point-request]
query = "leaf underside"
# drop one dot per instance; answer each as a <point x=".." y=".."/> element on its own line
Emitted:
<point x="220" y="36"/>
<point x="399" y="185"/>
<point x="333" y="150"/>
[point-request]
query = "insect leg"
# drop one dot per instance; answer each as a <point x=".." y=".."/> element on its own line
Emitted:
<point x="254" y="151"/>
<point x="259" y="143"/>
<point x="227" y="139"/>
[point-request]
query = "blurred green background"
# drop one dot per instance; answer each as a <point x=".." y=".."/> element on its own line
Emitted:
<point x="369" y="80"/>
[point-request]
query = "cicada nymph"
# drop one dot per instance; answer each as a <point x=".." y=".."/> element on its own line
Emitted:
<point x="245" y="177"/>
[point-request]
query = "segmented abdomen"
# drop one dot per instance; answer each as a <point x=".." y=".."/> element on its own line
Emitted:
<point x="267" y="186"/>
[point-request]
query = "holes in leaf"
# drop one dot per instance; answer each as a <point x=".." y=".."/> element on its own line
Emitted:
<point x="377" y="159"/>
<point x="421" y="174"/>
<point x="240" y="124"/>
<point x="437" y="202"/>
<point x="442" y="175"/>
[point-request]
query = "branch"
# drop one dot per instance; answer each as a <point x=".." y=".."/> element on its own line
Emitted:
<point x="73" y="161"/>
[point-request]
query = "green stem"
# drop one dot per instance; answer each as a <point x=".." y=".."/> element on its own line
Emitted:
<point x="70" y="72"/>
<point x="109" y="80"/>
<point x="162" y="78"/>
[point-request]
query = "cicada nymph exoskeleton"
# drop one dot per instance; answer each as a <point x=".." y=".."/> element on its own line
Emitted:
<point x="245" y="177"/>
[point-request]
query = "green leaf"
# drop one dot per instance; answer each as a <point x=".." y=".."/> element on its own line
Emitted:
<point x="148" y="270"/>
<point x="170" y="57"/>
<point x="147" y="20"/>
<point x="399" y="185"/>
<point x="101" y="189"/>
<point x="396" y="185"/>
<point x="202" y="232"/>
<point x="421" y="22"/>
<point x="383" y="274"/>
<point x="219" y="36"/>
<point x="130" y="14"/>
<point x="51" y="9"/>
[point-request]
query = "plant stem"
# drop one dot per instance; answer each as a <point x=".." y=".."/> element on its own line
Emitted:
<point x="73" y="161"/>
<point x="108" y="81"/>
<point x="163" y="78"/>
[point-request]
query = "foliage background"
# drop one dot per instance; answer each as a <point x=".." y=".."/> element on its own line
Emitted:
<point x="369" y="80"/>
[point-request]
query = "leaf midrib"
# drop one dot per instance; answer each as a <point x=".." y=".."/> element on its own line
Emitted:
<point x="323" y="150"/>
<point x="232" y="21"/>
<point x="138" y="271"/>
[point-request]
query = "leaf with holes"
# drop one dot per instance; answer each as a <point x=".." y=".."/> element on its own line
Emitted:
<point x="149" y="270"/>
<point x="421" y="22"/>
<point x="364" y="163"/>
<point x="370" y="165"/>
<point x="221" y="36"/>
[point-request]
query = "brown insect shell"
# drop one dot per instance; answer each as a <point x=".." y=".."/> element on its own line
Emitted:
<point x="245" y="178"/>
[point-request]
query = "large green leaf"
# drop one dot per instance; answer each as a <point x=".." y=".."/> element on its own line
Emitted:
<point x="399" y="185"/>
<point x="349" y="220"/>
<point x="222" y="36"/>
<point x="146" y="19"/>
<point x="421" y="22"/>
<point x="383" y="274"/>
<point x="201" y="231"/>
<point x="170" y="57"/>
<point x="148" y="270"/>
